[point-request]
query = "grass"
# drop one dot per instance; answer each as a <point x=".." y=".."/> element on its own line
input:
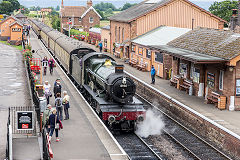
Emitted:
<point x="104" y="23"/>
<point x="18" y="47"/>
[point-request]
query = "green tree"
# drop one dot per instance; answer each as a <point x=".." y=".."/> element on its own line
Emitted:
<point x="24" y="10"/>
<point x="223" y="9"/>
<point x="109" y="11"/>
<point x="55" y="22"/>
<point x="15" y="4"/>
<point x="127" y="5"/>
<point x="6" y="7"/>
<point x="104" y="6"/>
<point x="57" y="8"/>
<point x="100" y="13"/>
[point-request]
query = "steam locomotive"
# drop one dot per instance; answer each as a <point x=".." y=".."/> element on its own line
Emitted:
<point x="101" y="81"/>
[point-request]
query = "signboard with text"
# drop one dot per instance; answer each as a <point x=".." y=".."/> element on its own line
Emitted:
<point x="25" y="120"/>
<point x="16" y="29"/>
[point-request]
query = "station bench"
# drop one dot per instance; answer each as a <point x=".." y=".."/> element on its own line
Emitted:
<point x="213" y="98"/>
<point x="185" y="85"/>
<point x="133" y="62"/>
<point x="174" y="81"/>
<point x="141" y="66"/>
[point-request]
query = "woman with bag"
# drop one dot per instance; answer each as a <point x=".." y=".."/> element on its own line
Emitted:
<point x="47" y="91"/>
<point x="54" y="124"/>
<point x="66" y="104"/>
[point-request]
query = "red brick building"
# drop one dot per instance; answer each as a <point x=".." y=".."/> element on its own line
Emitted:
<point x="84" y="17"/>
<point x="209" y="60"/>
<point x="151" y="14"/>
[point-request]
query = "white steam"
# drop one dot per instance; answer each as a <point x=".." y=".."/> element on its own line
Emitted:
<point x="152" y="125"/>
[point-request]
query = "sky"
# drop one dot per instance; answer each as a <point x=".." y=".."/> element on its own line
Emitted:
<point x="118" y="3"/>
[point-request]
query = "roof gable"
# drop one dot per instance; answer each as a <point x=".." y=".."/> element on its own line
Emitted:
<point x="222" y="44"/>
<point x="148" y="6"/>
<point x="16" y="22"/>
<point x="20" y="15"/>
<point x="89" y="9"/>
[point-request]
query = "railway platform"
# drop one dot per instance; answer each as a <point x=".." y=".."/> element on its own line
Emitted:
<point x="225" y="118"/>
<point x="83" y="136"/>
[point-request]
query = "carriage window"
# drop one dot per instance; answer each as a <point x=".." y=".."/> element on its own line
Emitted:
<point x="158" y="57"/>
<point x="148" y="53"/>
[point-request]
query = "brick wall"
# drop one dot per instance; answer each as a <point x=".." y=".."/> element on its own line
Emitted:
<point x="85" y="20"/>
<point x="167" y="63"/>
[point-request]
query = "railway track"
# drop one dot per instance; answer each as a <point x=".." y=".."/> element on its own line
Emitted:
<point x="136" y="147"/>
<point x="195" y="146"/>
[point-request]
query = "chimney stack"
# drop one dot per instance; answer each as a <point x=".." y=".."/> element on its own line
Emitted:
<point x="234" y="20"/>
<point x="238" y="12"/>
<point x="89" y="3"/>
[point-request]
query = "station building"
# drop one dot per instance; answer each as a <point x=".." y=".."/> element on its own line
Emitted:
<point x="151" y="14"/>
<point x="11" y="29"/>
<point x="105" y="36"/>
<point x="208" y="61"/>
<point x="84" y="17"/>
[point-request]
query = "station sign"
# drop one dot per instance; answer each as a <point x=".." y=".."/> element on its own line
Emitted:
<point x="25" y="120"/>
<point x="16" y="29"/>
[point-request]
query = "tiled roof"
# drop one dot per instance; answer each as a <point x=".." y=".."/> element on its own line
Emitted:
<point x="20" y="15"/>
<point x="76" y="11"/>
<point x="222" y="44"/>
<point x="160" y="36"/>
<point x="137" y="10"/>
<point x="147" y="6"/>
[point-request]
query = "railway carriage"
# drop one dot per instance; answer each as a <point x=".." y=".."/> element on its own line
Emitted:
<point x="103" y="83"/>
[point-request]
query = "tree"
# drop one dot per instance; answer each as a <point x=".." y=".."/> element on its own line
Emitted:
<point x="15" y="4"/>
<point x="57" y="8"/>
<point x="100" y="13"/>
<point x="127" y="5"/>
<point x="104" y="6"/>
<point x="223" y="9"/>
<point x="55" y="22"/>
<point x="24" y="10"/>
<point x="6" y="7"/>
<point x="109" y="11"/>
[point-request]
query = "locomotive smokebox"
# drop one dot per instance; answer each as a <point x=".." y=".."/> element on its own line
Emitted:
<point x="121" y="88"/>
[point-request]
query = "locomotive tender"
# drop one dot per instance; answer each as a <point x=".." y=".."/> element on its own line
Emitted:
<point x="101" y="81"/>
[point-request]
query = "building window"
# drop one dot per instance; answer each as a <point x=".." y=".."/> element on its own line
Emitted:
<point x="133" y="48"/>
<point x="196" y="75"/>
<point x="140" y="51"/>
<point x="122" y="34"/>
<point x="80" y="19"/>
<point x="183" y="70"/>
<point x="115" y="33"/>
<point x="119" y="37"/>
<point x="210" y="80"/>
<point x="158" y="57"/>
<point x="148" y="53"/>
<point x="105" y="42"/>
<point x="90" y="19"/>
<point x="221" y="74"/>
<point x="69" y="19"/>
<point x="238" y="87"/>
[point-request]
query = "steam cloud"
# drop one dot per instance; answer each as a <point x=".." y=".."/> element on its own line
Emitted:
<point x="152" y="125"/>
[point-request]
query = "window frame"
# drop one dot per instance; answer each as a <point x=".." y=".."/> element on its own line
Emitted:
<point x="221" y="79"/>
<point x="90" y="20"/>
<point x="79" y="19"/>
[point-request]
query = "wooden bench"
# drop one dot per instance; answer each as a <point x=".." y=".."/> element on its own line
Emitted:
<point x="141" y="66"/>
<point x="174" y="80"/>
<point x="185" y="85"/>
<point x="133" y="62"/>
<point x="213" y="98"/>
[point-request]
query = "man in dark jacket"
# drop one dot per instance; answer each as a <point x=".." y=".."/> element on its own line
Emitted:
<point x="57" y="89"/>
<point x="53" y="120"/>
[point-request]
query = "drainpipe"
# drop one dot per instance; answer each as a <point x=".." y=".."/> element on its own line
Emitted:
<point x="192" y="23"/>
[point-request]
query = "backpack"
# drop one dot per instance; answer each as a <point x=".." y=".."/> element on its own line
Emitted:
<point x="58" y="103"/>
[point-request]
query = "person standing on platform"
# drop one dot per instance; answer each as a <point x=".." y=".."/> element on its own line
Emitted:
<point x="54" y="125"/>
<point x="100" y="46"/>
<point x="66" y="104"/>
<point x="58" y="104"/>
<point x="46" y="115"/>
<point x="45" y="64"/>
<point x="153" y="73"/>
<point x="47" y="90"/>
<point x="57" y="89"/>
<point x="51" y="63"/>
